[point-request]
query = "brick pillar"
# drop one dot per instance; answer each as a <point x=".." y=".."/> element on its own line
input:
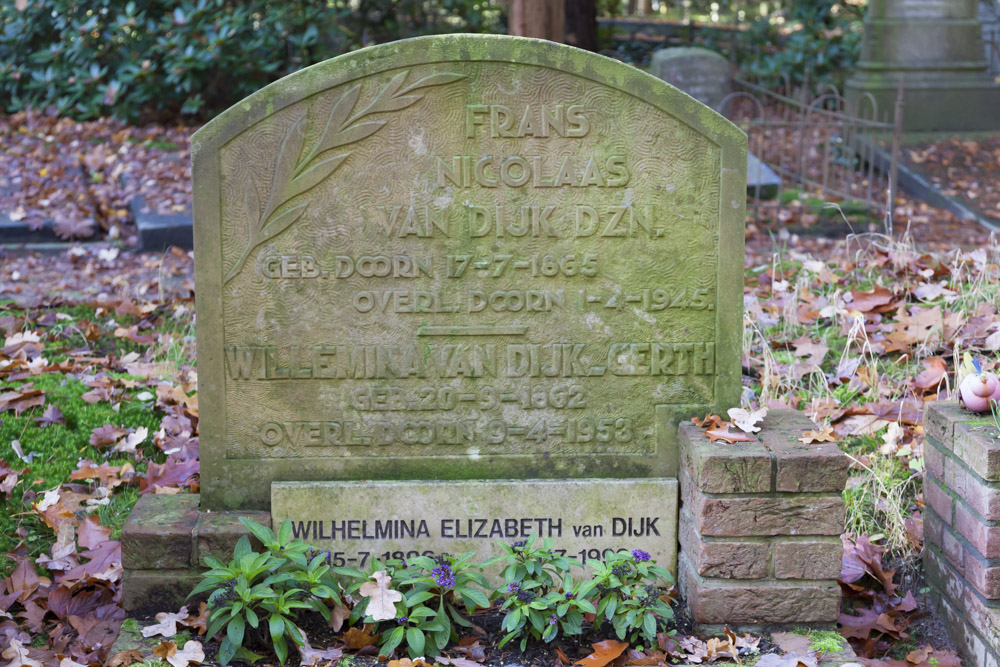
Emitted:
<point x="962" y="527"/>
<point x="760" y="525"/>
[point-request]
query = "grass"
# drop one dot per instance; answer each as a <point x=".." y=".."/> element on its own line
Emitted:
<point x="55" y="451"/>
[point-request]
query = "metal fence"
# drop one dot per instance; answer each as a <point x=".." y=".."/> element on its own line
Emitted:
<point x="825" y="151"/>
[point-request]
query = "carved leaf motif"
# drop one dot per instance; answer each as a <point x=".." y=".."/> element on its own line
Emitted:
<point x="438" y="79"/>
<point x="298" y="170"/>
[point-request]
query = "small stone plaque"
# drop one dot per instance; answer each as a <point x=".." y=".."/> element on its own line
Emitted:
<point x="461" y="257"/>
<point x="358" y="521"/>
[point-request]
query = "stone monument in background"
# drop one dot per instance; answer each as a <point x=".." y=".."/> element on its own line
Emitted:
<point x="936" y="47"/>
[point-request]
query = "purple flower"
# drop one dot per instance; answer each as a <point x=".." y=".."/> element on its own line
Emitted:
<point x="639" y="555"/>
<point x="519" y="544"/>
<point x="402" y="619"/>
<point x="570" y="596"/>
<point x="513" y="586"/>
<point x="443" y="576"/>
<point x="553" y="619"/>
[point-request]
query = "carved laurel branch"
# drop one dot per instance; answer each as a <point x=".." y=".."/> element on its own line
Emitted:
<point x="299" y="169"/>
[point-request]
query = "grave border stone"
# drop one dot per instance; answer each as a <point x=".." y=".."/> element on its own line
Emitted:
<point x="249" y="490"/>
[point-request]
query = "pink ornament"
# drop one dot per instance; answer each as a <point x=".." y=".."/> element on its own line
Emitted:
<point x="978" y="389"/>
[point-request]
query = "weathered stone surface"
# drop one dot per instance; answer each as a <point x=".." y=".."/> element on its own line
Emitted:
<point x="721" y="601"/>
<point x="940" y="418"/>
<point x="725" y="558"/>
<point x="808" y="559"/>
<point x="717" y="467"/>
<point x="978" y="446"/>
<point x="148" y="592"/>
<point x="737" y="516"/>
<point x="462" y="257"/>
<point x="802" y="468"/>
<point x="158" y="532"/>
<point x="701" y="73"/>
<point x="217" y="533"/>
<point x="357" y="521"/>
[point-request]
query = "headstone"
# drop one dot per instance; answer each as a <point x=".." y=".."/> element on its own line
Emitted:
<point x="936" y="48"/>
<point x="701" y="73"/>
<point x="464" y="258"/>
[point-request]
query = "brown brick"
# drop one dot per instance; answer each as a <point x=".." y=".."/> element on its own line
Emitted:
<point x="726" y="559"/>
<point x="938" y="499"/>
<point x="953" y="550"/>
<point x="981" y="496"/>
<point x="158" y="532"/>
<point x="767" y="601"/>
<point x="955" y="476"/>
<point x="983" y="575"/>
<point x="933" y="527"/>
<point x="983" y="615"/>
<point x="934" y="460"/>
<point x="978" y="446"/>
<point x="148" y="592"/>
<point x="735" y="516"/>
<point x="983" y="537"/>
<point x="940" y="419"/>
<point x="810" y="559"/>
<point x="942" y="577"/>
<point x="723" y="468"/>
<point x="820" y="467"/>
<point x="217" y="533"/>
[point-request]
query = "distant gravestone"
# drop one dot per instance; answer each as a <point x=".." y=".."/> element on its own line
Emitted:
<point x="458" y="289"/>
<point x="701" y="73"/>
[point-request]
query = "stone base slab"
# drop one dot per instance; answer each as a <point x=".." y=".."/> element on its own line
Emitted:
<point x="164" y="545"/>
<point x="358" y="521"/>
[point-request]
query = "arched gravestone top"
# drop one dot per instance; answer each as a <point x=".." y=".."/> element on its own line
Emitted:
<point x="701" y="73"/>
<point x="462" y="257"/>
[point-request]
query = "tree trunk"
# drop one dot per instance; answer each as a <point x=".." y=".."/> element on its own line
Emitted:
<point x="646" y="7"/>
<point x="633" y="7"/>
<point x="544" y="19"/>
<point x="581" y="24"/>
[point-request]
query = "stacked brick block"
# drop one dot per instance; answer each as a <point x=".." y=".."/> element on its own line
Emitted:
<point x="760" y="526"/>
<point x="962" y="527"/>
<point x="164" y="545"/>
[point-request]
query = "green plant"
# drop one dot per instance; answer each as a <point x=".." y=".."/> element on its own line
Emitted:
<point x="431" y="590"/>
<point x="429" y="604"/>
<point x="262" y="592"/>
<point x="628" y="594"/>
<point x="540" y="597"/>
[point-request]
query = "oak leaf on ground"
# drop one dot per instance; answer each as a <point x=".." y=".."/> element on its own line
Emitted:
<point x="604" y="652"/>
<point x="381" y="597"/>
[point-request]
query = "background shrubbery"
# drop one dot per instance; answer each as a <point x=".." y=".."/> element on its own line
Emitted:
<point x="158" y="58"/>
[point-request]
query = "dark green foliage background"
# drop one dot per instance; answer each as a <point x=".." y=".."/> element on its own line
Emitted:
<point x="155" y="59"/>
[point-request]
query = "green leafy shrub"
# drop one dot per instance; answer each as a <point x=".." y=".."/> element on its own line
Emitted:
<point x="628" y="594"/>
<point x="540" y="597"/>
<point x="431" y="590"/>
<point x="817" y="41"/>
<point x="255" y="598"/>
<point x="154" y="59"/>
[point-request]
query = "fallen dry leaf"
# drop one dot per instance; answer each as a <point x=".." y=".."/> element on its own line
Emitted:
<point x="382" y="599"/>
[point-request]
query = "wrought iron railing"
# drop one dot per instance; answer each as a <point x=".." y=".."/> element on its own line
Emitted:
<point x="828" y="150"/>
